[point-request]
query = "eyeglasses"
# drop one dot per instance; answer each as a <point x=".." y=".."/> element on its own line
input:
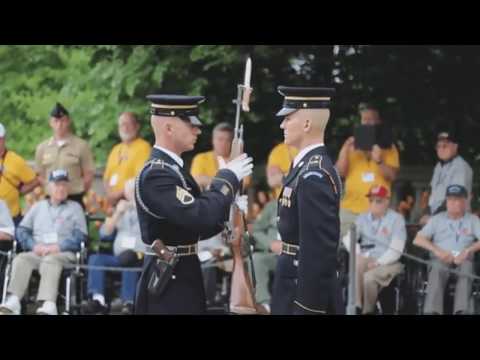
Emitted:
<point x="376" y="201"/>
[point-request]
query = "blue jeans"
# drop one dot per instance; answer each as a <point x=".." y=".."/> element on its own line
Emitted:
<point x="96" y="278"/>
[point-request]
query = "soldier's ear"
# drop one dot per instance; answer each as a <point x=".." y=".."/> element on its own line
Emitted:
<point x="307" y="125"/>
<point x="168" y="127"/>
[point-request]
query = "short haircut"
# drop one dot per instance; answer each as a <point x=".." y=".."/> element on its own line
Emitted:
<point x="131" y="115"/>
<point x="224" y="126"/>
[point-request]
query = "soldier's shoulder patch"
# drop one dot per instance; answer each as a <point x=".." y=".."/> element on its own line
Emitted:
<point x="184" y="196"/>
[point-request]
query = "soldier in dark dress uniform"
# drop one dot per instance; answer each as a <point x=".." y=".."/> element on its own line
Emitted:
<point x="172" y="212"/>
<point x="306" y="278"/>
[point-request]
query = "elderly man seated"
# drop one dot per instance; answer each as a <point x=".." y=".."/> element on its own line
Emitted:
<point x="50" y="234"/>
<point x="382" y="235"/>
<point x="450" y="236"/>
<point x="124" y="229"/>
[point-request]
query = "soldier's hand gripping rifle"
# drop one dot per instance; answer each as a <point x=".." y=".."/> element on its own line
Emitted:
<point x="242" y="293"/>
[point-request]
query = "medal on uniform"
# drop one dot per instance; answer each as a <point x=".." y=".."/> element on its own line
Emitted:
<point x="287" y="193"/>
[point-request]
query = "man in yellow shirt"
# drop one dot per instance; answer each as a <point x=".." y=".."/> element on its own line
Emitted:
<point x="278" y="164"/>
<point x="205" y="165"/>
<point x="362" y="169"/>
<point x="126" y="158"/>
<point x="16" y="177"/>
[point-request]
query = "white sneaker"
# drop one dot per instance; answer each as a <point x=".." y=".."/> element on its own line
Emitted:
<point x="48" y="308"/>
<point x="11" y="306"/>
<point x="267" y="307"/>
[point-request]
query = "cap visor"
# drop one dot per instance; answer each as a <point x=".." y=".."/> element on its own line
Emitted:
<point x="286" y="111"/>
<point x="195" y="121"/>
<point x="59" y="179"/>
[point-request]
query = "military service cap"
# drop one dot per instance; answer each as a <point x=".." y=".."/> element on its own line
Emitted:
<point x="58" y="111"/>
<point x="297" y="98"/>
<point x="184" y="107"/>
<point x="456" y="191"/>
<point x="58" y="175"/>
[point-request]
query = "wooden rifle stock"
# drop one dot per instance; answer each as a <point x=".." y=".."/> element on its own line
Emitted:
<point x="242" y="291"/>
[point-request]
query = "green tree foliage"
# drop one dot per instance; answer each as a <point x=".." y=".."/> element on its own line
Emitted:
<point x="421" y="88"/>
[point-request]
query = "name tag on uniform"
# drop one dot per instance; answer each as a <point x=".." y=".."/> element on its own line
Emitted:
<point x="114" y="180"/>
<point x="50" y="238"/>
<point x="368" y="177"/>
<point x="128" y="242"/>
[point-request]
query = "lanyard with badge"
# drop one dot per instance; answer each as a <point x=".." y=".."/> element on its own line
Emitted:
<point x="52" y="237"/>
<point x="375" y="230"/>
<point x="122" y="157"/>
<point x="368" y="176"/>
<point x="457" y="231"/>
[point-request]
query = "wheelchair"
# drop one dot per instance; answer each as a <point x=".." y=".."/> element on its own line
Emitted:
<point x="70" y="288"/>
<point x="420" y="282"/>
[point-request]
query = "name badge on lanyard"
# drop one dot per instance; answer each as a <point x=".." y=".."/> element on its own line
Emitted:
<point x="114" y="180"/>
<point x="368" y="177"/>
<point x="50" y="238"/>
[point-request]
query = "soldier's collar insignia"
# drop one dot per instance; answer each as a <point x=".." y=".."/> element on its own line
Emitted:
<point x="184" y="196"/>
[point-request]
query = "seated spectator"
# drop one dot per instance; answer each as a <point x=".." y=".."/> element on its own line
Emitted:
<point x="209" y="250"/>
<point x="450" y="237"/>
<point x="123" y="229"/>
<point x="50" y="234"/>
<point x="267" y="248"/>
<point x="382" y="236"/>
<point x="451" y="169"/>
<point x="7" y="231"/>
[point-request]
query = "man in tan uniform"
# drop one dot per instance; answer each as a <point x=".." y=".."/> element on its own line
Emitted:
<point x="66" y="151"/>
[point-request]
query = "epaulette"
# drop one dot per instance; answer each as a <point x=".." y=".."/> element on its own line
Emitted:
<point x="314" y="168"/>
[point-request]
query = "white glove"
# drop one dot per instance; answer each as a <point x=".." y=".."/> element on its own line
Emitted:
<point x="241" y="166"/>
<point x="242" y="203"/>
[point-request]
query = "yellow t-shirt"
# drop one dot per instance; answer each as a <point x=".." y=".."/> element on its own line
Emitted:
<point x="204" y="164"/>
<point x="362" y="175"/>
<point x="125" y="162"/>
<point x="15" y="171"/>
<point x="282" y="156"/>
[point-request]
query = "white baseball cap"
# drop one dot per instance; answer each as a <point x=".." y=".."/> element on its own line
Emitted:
<point x="2" y="131"/>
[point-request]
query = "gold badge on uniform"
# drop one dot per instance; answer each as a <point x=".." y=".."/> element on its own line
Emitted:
<point x="184" y="196"/>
